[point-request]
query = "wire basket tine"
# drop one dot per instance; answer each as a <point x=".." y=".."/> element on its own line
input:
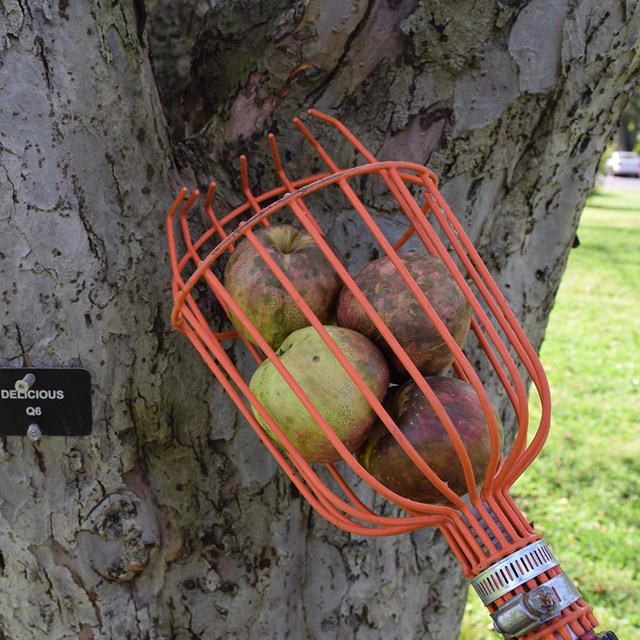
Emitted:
<point x="485" y="529"/>
<point x="292" y="195"/>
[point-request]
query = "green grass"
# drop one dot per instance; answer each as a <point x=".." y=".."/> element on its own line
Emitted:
<point x="583" y="491"/>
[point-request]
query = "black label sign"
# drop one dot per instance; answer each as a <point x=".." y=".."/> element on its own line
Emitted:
<point x="58" y="401"/>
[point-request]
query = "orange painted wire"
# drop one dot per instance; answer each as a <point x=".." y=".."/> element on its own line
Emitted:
<point x="203" y="271"/>
<point x="480" y="532"/>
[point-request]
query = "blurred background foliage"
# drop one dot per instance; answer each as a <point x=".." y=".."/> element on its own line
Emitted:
<point x="629" y="130"/>
<point x="627" y="137"/>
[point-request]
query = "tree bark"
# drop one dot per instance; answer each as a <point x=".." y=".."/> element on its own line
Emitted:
<point x="514" y="123"/>
<point x="171" y="521"/>
<point x="84" y="169"/>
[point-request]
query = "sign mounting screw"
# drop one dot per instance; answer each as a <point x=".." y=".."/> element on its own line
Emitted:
<point x="34" y="433"/>
<point x="22" y="386"/>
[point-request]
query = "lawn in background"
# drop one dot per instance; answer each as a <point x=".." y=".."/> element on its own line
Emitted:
<point x="583" y="491"/>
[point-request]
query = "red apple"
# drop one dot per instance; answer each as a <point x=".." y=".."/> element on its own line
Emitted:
<point x="264" y="300"/>
<point x="331" y="390"/>
<point x="390" y="296"/>
<point x="385" y="460"/>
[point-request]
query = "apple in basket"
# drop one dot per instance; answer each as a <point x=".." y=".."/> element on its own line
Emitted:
<point x="329" y="387"/>
<point x="400" y="310"/>
<point x="382" y="456"/>
<point x="260" y="295"/>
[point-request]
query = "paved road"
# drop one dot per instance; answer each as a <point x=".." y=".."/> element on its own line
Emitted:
<point x="618" y="183"/>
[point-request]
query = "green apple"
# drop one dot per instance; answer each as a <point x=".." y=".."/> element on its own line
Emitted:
<point x="324" y="380"/>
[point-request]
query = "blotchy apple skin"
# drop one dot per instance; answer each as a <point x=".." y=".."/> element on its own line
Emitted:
<point x="334" y="394"/>
<point x="385" y="460"/>
<point x="390" y="296"/>
<point x="257" y="291"/>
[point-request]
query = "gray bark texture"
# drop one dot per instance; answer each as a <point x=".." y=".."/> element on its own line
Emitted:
<point x="171" y="521"/>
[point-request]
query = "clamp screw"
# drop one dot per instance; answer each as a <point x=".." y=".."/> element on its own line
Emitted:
<point x="608" y="635"/>
<point x="22" y="386"/>
<point x="542" y="601"/>
<point x="34" y="433"/>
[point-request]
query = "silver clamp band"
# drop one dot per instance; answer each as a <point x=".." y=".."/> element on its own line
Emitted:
<point x="516" y="569"/>
<point x="527" y="611"/>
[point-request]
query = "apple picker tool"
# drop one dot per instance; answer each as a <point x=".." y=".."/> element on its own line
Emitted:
<point x="509" y="565"/>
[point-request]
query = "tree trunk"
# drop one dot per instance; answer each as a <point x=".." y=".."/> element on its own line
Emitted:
<point x="170" y="520"/>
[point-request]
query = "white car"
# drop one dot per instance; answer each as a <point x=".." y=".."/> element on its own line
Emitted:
<point x="623" y="163"/>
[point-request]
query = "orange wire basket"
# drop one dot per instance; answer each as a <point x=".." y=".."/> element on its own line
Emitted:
<point x="511" y="568"/>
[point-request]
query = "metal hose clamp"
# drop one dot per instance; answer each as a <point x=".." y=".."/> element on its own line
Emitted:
<point x="516" y="569"/>
<point x="527" y="611"/>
